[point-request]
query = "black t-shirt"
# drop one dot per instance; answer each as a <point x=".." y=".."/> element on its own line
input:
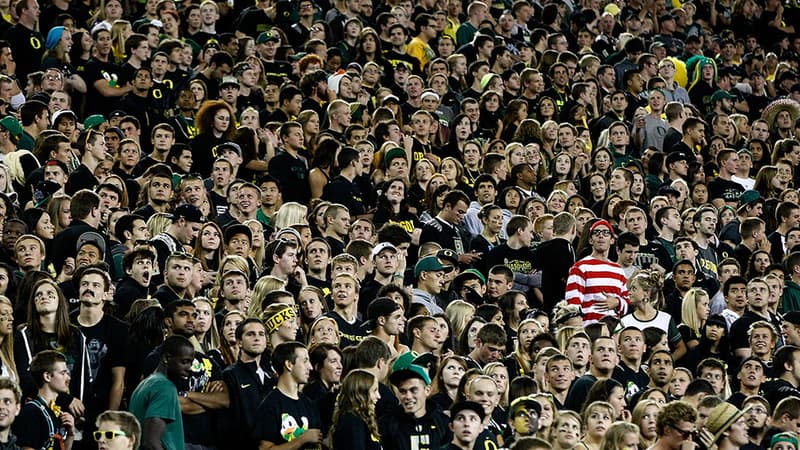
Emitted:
<point x="337" y="246"/>
<point x="293" y="175"/>
<point x="728" y="190"/>
<point x="349" y="333"/>
<point x="341" y="190"/>
<point x="282" y="419"/>
<point x="448" y="236"/>
<point x="27" y="47"/>
<point x="108" y="72"/>
<point x="351" y="432"/>
<point x="520" y="260"/>
<point x="220" y="203"/>
<point x="634" y="381"/>
<point x="253" y="21"/>
<point x="106" y="344"/>
<point x="281" y="69"/>
<point x="80" y="178"/>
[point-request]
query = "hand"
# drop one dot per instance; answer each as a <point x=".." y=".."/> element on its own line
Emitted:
<point x="408" y="141"/>
<point x="401" y="263"/>
<point x="68" y="420"/>
<point x="331" y="95"/>
<point x="313" y="435"/>
<point x="765" y="245"/>
<point x="415" y="235"/>
<point x="657" y="267"/>
<point x="216" y="386"/>
<point x="626" y="416"/>
<point x="706" y="438"/>
<point x="609" y="303"/>
<point x="76" y="407"/>
<point x="300" y="277"/>
<point x="469" y="258"/>
<point x="363" y="97"/>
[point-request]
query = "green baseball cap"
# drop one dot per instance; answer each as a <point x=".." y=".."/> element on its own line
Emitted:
<point x="431" y="264"/>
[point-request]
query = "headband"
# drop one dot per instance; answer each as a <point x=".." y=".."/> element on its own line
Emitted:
<point x="275" y="321"/>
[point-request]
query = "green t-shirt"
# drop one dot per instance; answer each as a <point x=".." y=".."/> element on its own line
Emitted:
<point x="157" y="397"/>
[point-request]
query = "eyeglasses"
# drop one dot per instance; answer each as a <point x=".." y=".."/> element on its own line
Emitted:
<point x="107" y="435"/>
<point x="601" y="233"/>
<point x="685" y="434"/>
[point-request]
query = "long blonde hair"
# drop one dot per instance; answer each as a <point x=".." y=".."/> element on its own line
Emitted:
<point x="7" y="346"/>
<point x="689" y="309"/>
<point x="54" y="209"/>
<point x="489" y="369"/>
<point x="638" y="414"/>
<point x="458" y="313"/>
<point x="258" y="254"/>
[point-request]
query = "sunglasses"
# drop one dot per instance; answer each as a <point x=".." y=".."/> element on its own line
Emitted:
<point x="685" y="434"/>
<point x="107" y="435"/>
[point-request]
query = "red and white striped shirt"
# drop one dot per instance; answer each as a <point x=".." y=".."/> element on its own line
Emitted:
<point x="591" y="280"/>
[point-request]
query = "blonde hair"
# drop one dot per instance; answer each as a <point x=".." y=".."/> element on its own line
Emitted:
<point x="489" y="369"/>
<point x="158" y="223"/>
<point x="7" y="346"/>
<point x="259" y="253"/>
<point x="54" y="209"/>
<point x="14" y="164"/>
<point x="638" y="413"/>
<point x="117" y="35"/>
<point x="458" y="313"/>
<point x="509" y="149"/>
<point x="615" y="435"/>
<point x="689" y="309"/>
<point x="652" y="283"/>
<point x="9" y="189"/>
<point x="263" y="286"/>
<point x="560" y="416"/>
<point x="564" y="334"/>
<point x="289" y="214"/>
<point x="595" y="406"/>
<point x="311" y="340"/>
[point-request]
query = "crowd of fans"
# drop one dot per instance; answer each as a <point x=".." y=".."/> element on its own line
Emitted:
<point x="402" y="225"/>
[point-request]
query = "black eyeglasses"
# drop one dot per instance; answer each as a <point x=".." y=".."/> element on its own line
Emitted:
<point x="685" y="434"/>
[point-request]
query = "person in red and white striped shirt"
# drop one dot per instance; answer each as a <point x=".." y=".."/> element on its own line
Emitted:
<point x="595" y="283"/>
